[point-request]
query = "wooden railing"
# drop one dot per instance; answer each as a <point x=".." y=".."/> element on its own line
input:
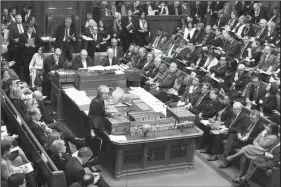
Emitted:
<point x="32" y="147"/>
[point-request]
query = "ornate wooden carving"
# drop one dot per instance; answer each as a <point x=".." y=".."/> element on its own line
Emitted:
<point x="133" y="157"/>
<point x="178" y="151"/>
<point x="155" y="154"/>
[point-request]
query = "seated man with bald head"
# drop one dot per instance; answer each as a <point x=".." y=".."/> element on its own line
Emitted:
<point x="82" y="61"/>
<point x="110" y="59"/>
<point x="47" y="115"/>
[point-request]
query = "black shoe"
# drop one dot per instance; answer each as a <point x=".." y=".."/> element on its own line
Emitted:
<point x="244" y="183"/>
<point x="213" y="158"/>
<point x="224" y="165"/>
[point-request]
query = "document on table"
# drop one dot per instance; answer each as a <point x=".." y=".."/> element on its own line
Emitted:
<point x="45" y="38"/>
<point x="117" y="138"/>
<point x="96" y="68"/>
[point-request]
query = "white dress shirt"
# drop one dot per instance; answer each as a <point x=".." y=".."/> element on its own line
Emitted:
<point x="20" y="28"/>
<point x="110" y="61"/>
<point x="84" y="62"/>
<point x="190" y="32"/>
<point x="210" y="63"/>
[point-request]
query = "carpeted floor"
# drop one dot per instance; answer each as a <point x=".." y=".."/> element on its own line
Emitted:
<point x="201" y="175"/>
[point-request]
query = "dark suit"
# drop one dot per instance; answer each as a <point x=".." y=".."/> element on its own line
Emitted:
<point x="198" y="36"/>
<point x="99" y="123"/>
<point x="26" y="19"/>
<point x="129" y="37"/>
<point x="119" y="51"/>
<point x="271" y="36"/>
<point x="50" y="65"/>
<point x="248" y="31"/>
<point x="74" y="172"/>
<point x="38" y="131"/>
<point x="191" y="57"/>
<point x="199" y="10"/>
<point x="211" y="109"/>
<point x="67" y="45"/>
<point x="221" y="22"/>
<point x="239" y="7"/>
<point x="242" y="81"/>
<point x="105" y="61"/>
<point x="140" y="62"/>
<point x="261" y="34"/>
<point x="20" y="106"/>
<point x="219" y="70"/>
<point x="92" y="45"/>
<point x="269" y="104"/>
<point x="45" y="111"/>
<point x="27" y="52"/>
<point x="232" y="23"/>
<point x="244" y="50"/>
<point x="217" y="42"/>
<point x="187" y="96"/>
<point x="199" y="103"/>
<point x="172" y="10"/>
<point x="77" y="62"/>
<point x="168" y="80"/>
<point x="257" y="129"/>
<point x="14" y="50"/>
<point x="262" y="15"/>
<point x="266" y="62"/>
<point x="233" y="49"/>
<point x="207" y="38"/>
<point x="251" y="91"/>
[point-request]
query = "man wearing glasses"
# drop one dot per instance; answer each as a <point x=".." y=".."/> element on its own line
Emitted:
<point x="51" y="63"/>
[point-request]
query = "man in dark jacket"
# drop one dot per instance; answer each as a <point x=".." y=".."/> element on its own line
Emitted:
<point x="74" y="171"/>
<point x="110" y="59"/>
<point x="65" y="37"/>
<point x="249" y="130"/>
<point x="82" y="61"/>
<point x="98" y="120"/>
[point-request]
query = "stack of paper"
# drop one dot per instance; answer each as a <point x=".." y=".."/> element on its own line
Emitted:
<point x="27" y="167"/>
<point x="117" y="138"/>
<point x="155" y="104"/>
<point x="79" y="97"/>
<point x="96" y="68"/>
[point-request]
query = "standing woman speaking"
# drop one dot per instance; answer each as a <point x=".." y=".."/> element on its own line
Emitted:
<point x="143" y="30"/>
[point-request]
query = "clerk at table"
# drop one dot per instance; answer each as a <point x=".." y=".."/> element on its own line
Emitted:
<point x="82" y="61"/>
<point x="110" y="59"/>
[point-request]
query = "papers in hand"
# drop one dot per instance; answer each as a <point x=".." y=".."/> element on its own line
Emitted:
<point x="130" y="26"/>
<point x="87" y="38"/>
<point x="3" y="128"/>
<point x="117" y="138"/>
<point x="27" y="168"/>
<point x="205" y="122"/>
<point x="264" y="72"/>
<point x="46" y="38"/>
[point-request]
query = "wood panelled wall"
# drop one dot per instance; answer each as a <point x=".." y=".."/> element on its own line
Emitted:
<point x="80" y="8"/>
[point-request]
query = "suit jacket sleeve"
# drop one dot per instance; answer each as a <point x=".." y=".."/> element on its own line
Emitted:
<point x="239" y="125"/>
<point x="211" y="111"/>
<point x="75" y="64"/>
<point x="234" y="51"/>
<point x="103" y="61"/>
<point x="169" y="83"/>
<point x="38" y="132"/>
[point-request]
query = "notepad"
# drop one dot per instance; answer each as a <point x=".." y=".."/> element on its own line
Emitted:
<point x="45" y="38"/>
<point x="205" y="122"/>
<point x="28" y="167"/>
